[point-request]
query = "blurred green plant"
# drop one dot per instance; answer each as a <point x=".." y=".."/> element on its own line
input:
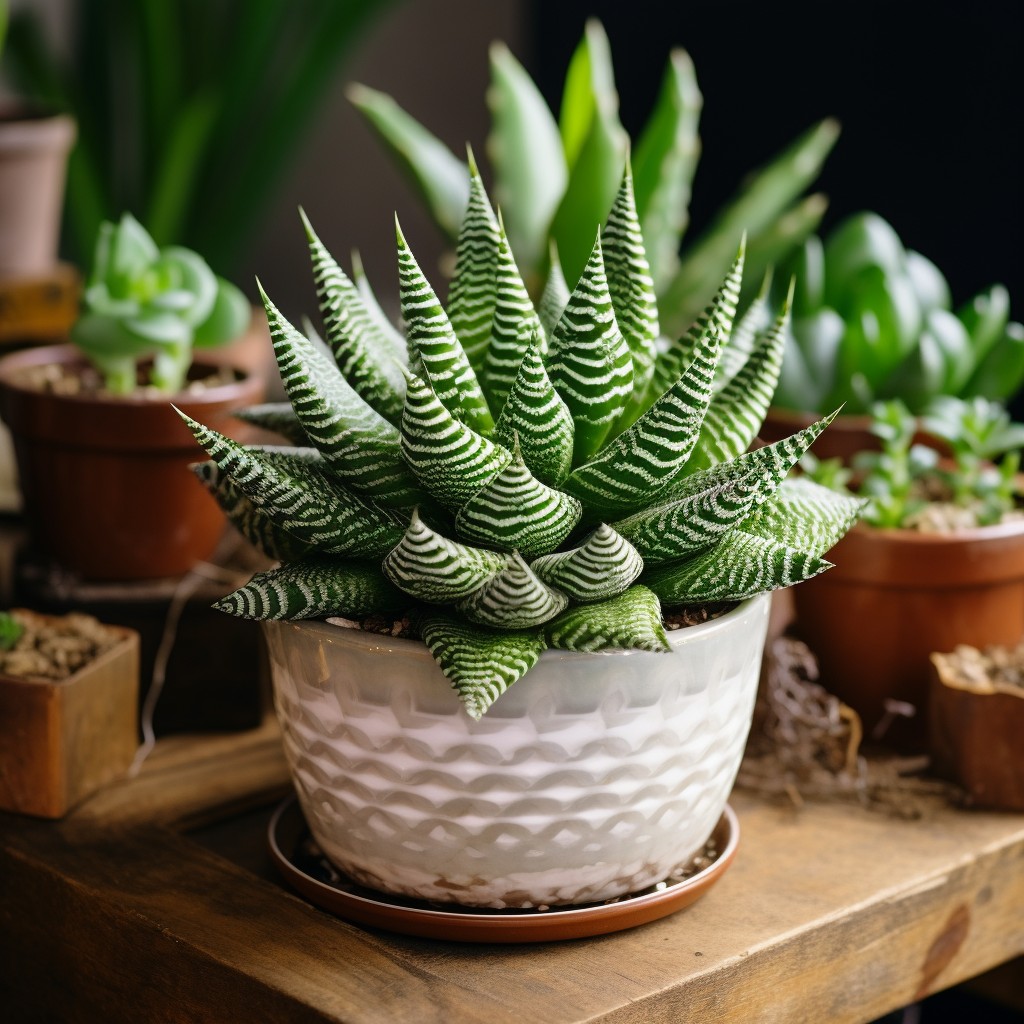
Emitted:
<point x="10" y="628"/>
<point x="555" y="180"/>
<point x="872" y="320"/>
<point x="143" y="302"/>
<point x="173" y="97"/>
<point x="902" y="479"/>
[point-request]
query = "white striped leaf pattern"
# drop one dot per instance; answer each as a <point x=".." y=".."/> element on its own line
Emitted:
<point x="738" y="410"/>
<point x="450" y="460"/>
<point x="513" y="599"/>
<point x="515" y="511"/>
<point x="277" y="417"/>
<point x="754" y="322"/>
<point x="536" y="417"/>
<point x="480" y="663"/>
<point x="356" y="340"/>
<point x="739" y="566"/>
<point x="604" y="565"/>
<point x="298" y="498"/>
<point x="432" y="568"/>
<point x="642" y="460"/>
<point x="513" y="329"/>
<point x="589" y="362"/>
<point x="555" y="296"/>
<point x="360" y="446"/>
<point x="314" y="587"/>
<point x="629" y="620"/>
<point x="471" y="295"/>
<point x="433" y="347"/>
<point x="632" y="288"/>
<point x="387" y="332"/>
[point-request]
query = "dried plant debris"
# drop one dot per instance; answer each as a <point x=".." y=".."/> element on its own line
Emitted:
<point x="54" y="648"/>
<point x="805" y="744"/>
<point x="982" y="669"/>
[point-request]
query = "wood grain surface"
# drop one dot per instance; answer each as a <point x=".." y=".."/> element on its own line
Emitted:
<point x="138" y="907"/>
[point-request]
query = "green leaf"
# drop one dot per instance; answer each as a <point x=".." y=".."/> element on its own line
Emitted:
<point x="513" y="599"/>
<point x="313" y="588"/>
<point x="603" y="566"/>
<point x="277" y="417"/>
<point x="985" y="318"/>
<point x="664" y="163"/>
<point x="430" y="165"/>
<point x="1000" y="374"/>
<point x="555" y="296"/>
<point x="740" y="344"/>
<point x="228" y="319"/>
<point x="589" y="84"/>
<point x="632" y="620"/>
<point x="862" y="242"/>
<point x="480" y="663"/>
<point x="526" y="152"/>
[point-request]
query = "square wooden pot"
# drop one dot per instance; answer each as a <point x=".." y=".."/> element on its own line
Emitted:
<point x="61" y="741"/>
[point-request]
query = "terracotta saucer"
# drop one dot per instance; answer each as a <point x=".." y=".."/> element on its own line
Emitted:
<point x="305" y="868"/>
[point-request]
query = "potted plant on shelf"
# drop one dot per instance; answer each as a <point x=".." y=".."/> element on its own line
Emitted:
<point x="101" y="455"/>
<point x="872" y="321"/>
<point x="938" y="560"/>
<point x="556" y="179"/>
<point x="499" y="710"/>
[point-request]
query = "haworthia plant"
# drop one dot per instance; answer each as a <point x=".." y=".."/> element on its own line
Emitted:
<point x="556" y="178"/>
<point x="527" y="495"/>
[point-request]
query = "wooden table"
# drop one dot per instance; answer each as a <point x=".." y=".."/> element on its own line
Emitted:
<point x="156" y="901"/>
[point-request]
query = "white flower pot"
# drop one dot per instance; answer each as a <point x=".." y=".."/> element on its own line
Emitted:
<point x="593" y="776"/>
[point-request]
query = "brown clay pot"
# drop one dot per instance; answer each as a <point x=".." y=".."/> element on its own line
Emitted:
<point x="33" y="162"/>
<point x="105" y="481"/>
<point x="895" y="596"/>
<point x="976" y="736"/>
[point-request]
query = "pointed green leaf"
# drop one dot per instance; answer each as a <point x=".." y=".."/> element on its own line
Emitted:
<point x="435" y="349"/>
<point x="515" y="511"/>
<point x="277" y="417"/>
<point x="388" y="332"/>
<point x="756" y="320"/>
<point x="430" y="165"/>
<point x="555" y="296"/>
<point x="632" y="620"/>
<point x="471" y="294"/>
<point x="604" y="565"/>
<point x="312" y="588"/>
<point x="588" y="360"/>
<point x="451" y="461"/>
<point x="535" y="417"/>
<point x="589" y="84"/>
<point x="480" y="663"/>
<point x="513" y="599"/>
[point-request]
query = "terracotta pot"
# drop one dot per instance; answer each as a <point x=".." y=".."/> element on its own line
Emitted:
<point x="895" y="596"/>
<point x="976" y="735"/>
<point x="33" y="163"/>
<point x="591" y="777"/>
<point x="105" y="480"/>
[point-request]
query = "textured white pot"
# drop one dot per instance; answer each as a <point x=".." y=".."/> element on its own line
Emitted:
<point x="593" y="776"/>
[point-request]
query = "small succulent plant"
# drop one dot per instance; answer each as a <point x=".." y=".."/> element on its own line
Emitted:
<point x="143" y="303"/>
<point x="872" y="320"/>
<point x="909" y="485"/>
<point x="517" y="478"/>
<point x="557" y="178"/>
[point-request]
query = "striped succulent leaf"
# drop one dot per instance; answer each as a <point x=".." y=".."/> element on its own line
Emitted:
<point x="803" y="514"/>
<point x="754" y="322"/>
<point x="738" y="410"/>
<point x="719" y="314"/>
<point x="312" y="588"/>
<point x="632" y="619"/>
<point x="299" y="499"/>
<point x="513" y="599"/>
<point x="589" y="362"/>
<point x="355" y="338"/>
<point x="480" y="663"/>
<point x="432" y="568"/>
<point x="360" y="447"/>
<point x="449" y="459"/>
<point x="390" y="336"/>
<point x="277" y="417"/>
<point x="513" y="330"/>
<point x="471" y="295"/>
<point x="516" y="512"/>
<point x="555" y="296"/>
<point x="434" y="348"/>
<point x="644" y="459"/>
<point x="603" y="566"/>
<point x="632" y="289"/>
<point x="739" y="566"/>
<point x="535" y="417"/>
<point x="244" y="516"/>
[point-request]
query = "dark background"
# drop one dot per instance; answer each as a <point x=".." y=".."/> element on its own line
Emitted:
<point x="929" y="95"/>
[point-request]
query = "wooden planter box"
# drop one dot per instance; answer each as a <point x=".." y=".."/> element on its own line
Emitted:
<point x="61" y="741"/>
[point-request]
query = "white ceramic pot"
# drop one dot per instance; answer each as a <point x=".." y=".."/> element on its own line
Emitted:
<point x="593" y="776"/>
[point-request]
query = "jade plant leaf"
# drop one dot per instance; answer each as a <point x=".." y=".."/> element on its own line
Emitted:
<point x="630" y="620"/>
